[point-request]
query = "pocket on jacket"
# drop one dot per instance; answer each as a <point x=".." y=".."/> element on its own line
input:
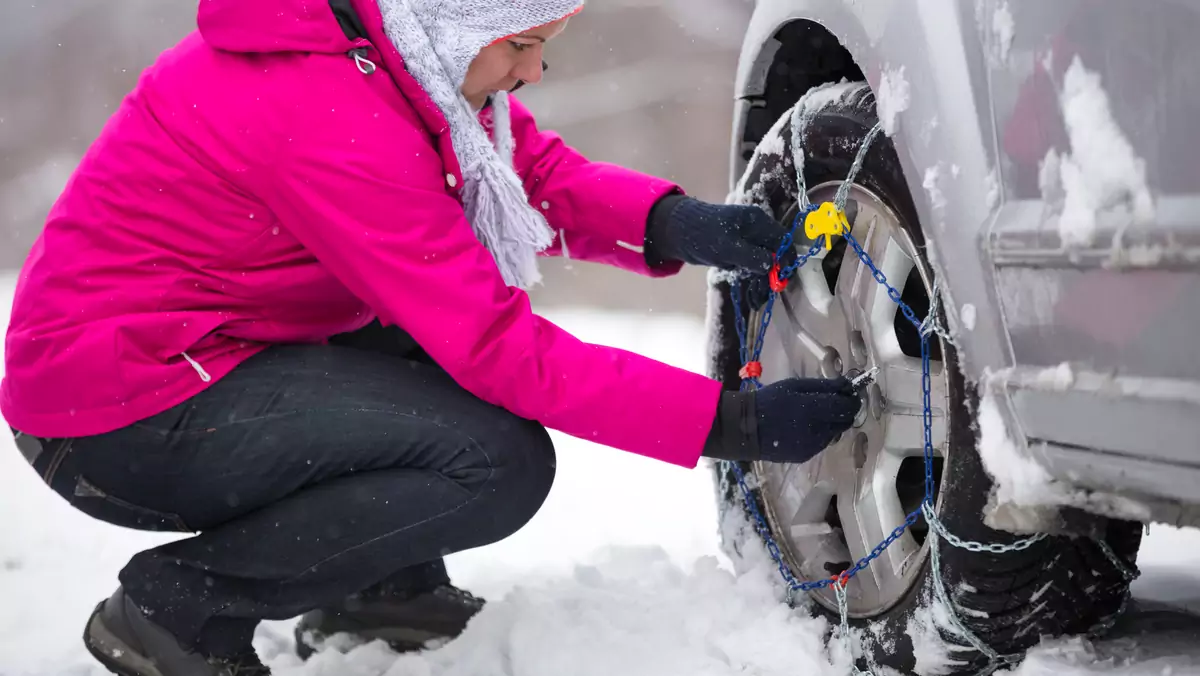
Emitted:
<point x="96" y="503"/>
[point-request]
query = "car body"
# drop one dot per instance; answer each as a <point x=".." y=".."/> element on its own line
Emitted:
<point x="1051" y="157"/>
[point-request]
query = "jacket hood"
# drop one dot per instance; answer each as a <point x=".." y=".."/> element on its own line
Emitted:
<point x="267" y="26"/>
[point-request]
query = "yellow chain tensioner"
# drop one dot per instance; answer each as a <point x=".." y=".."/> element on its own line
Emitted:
<point x="826" y="220"/>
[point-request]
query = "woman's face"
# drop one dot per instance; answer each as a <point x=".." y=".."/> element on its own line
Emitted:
<point x="501" y="65"/>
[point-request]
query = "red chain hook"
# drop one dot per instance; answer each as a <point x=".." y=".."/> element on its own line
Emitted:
<point x="777" y="284"/>
<point x="751" y="370"/>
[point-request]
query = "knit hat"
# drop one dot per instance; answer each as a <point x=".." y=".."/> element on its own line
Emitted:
<point x="438" y="40"/>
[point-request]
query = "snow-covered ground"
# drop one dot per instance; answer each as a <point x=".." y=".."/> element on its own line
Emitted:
<point x="619" y="574"/>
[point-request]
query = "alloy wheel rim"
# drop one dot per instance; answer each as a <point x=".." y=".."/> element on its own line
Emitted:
<point x="838" y="320"/>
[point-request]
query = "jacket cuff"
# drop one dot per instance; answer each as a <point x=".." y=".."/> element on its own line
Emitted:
<point x="656" y="225"/>
<point x="734" y="434"/>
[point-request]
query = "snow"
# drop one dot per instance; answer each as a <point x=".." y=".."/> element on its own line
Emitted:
<point x="1102" y="174"/>
<point x="1020" y="481"/>
<point x="1050" y="176"/>
<point x="1018" y="476"/>
<point x="968" y="314"/>
<point x="771" y="145"/>
<point x="926" y="629"/>
<point x="1060" y="377"/>
<point x="664" y="620"/>
<point x="1023" y="489"/>
<point x="620" y="573"/>
<point x="824" y="95"/>
<point x="927" y="130"/>
<point x="893" y="98"/>
<point x="1077" y="657"/>
<point x="937" y="200"/>
<point x="1003" y="30"/>
<point x="992" y="183"/>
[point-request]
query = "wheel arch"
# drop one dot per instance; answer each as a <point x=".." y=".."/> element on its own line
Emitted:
<point x="796" y="56"/>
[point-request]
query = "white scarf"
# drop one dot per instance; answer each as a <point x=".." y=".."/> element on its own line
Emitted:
<point x="438" y="40"/>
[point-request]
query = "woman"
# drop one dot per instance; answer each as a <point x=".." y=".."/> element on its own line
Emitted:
<point x="280" y="304"/>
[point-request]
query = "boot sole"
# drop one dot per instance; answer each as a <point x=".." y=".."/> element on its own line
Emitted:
<point x="401" y="640"/>
<point x="110" y="651"/>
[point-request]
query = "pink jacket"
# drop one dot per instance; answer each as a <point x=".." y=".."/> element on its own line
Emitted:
<point x="256" y="187"/>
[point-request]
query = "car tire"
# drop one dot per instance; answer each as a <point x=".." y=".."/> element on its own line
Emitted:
<point x="1061" y="585"/>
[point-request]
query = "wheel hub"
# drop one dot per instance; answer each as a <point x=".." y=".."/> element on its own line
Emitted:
<point x="836" y="320"/>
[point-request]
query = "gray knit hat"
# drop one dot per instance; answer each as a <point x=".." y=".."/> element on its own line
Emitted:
<point x="438" y="40"/>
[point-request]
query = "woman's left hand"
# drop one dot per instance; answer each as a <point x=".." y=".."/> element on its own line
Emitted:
<point x="725" y="236"/>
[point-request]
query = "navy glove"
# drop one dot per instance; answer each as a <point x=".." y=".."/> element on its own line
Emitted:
<point x="755" y="290"/>
<point x="725" y="236"/>
<point x="789" y="421"/>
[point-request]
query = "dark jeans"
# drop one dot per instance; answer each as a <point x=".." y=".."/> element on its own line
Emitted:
<point x="311" y="473"/>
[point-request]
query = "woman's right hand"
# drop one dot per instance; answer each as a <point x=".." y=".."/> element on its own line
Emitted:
<point x="789" y="421"/>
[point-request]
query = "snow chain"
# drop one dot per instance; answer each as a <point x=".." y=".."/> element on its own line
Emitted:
<point x="820" y="224"/>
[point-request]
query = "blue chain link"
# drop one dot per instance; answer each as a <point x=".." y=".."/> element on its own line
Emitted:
<point x="751" y="353"/>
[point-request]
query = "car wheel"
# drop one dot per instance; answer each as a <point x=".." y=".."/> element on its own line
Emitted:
<point x="827" y="514"/>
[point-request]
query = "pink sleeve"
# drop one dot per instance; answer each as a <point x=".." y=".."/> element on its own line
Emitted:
<point x="599" y="210"/>
<point x="367" y="196"/>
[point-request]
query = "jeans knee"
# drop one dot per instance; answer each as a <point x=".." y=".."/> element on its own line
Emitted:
<point x="523" y="474"/>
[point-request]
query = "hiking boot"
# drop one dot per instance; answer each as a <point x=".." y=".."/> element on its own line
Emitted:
<point x="126" y="642"/>
<point x="406" y="621"/>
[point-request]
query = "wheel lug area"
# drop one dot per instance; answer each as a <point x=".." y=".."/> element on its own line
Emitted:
<point x="831" y="363"/>
<point x="875" y="400"/>
<point x="860" y="418"/>
<point x="859" y="450"/>
<point x="858" y="349"/>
